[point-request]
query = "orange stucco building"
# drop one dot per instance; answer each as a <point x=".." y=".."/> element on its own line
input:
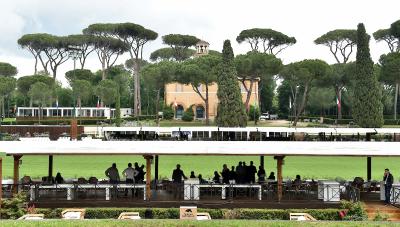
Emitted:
<point x="182" y="96"/>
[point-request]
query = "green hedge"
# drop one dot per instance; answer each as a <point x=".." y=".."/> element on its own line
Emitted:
<point x="173" y="213"/>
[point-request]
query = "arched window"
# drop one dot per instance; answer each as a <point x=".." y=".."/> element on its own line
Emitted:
<point x="179" y="111"/>
<point x="200" y="112"/>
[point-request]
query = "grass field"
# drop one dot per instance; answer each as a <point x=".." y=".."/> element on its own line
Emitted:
<point x="307" y="167"/>
<point x="170" y="223"/>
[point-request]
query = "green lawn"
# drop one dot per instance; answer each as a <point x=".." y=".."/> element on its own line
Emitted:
<point x="307" y="167"/>
<point x="170" y="223"/>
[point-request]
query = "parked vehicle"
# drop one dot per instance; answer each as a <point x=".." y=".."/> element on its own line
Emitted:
<point x="268" y="116"/>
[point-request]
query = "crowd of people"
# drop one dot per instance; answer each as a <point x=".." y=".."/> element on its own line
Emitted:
<point x="241" y="174"/>
<point x="131" y="174"/>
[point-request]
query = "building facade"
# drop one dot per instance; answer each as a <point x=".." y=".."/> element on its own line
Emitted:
<point x="182" y="96"/>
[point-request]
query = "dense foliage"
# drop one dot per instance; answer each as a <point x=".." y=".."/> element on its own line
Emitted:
<point x="231" y="110"/>
<point x="367" y="107"/>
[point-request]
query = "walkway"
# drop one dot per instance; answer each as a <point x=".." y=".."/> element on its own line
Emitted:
<point x="375" y="207"/>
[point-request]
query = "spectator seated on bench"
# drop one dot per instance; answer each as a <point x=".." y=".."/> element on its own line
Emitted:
<point x="93" y="180"/>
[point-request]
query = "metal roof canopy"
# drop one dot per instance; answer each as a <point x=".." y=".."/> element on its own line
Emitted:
<point x="268" y="148"/>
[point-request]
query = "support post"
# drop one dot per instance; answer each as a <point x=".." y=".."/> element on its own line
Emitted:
<point x="148" y="175"/>
<point x="50" y="167"/>
<point x="369" y="160"/>
<point x="16" y="173"/>
<point x="74" y="129"/>
<point x="262" y="161"/>
<point x="156" y="168"/>
<point x="279" y="163"/>
<point x="369" y="168"/>
<point x="1" y="181"/>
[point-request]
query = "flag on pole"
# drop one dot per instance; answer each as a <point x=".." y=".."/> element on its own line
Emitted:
<point x="339" y="105"/>
<point x="98" y="102"/>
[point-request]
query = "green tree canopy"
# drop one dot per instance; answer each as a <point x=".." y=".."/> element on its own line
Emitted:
<point x="302" y="75"/>
<point x="390" y="74"/>
<point x="180" y="45"/>
<point x="340" y="42"/>
<point x="107" y="90"/>
<point x="33" y="43"/>
<point x="81" y="90"/>
<point x="253" y="66"/>
<point x="231" y="110"/>
<point x="271" y="41"/>
<point x="367" y="107"/>
<point x="200" y="73"/>
<point x="41" y="93"/>
<point x="79" y="74"/>
<point x="386" y="36"/>
<point x="83" y="44"/>
<point x="7" y="86"/>
<point x="6" y="69"/>
<point x="56" y="50"/>
<point x="395" y="29"/>
<point x="24" y="83"/>
<point x="157" y="76"/>
<point x="169" y="54"/>
<point x="135" y="37"/>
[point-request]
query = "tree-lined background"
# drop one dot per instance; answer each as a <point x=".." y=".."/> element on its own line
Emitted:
<point x="310" y="87"/>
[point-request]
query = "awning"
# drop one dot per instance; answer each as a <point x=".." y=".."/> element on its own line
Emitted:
<point x="268" y="148"/>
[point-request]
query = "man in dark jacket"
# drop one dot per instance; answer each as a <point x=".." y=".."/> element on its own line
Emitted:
<point x="388" y="180"/>
<point x="177" y="176"/>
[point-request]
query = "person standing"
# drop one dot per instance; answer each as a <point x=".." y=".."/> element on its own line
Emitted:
<point x="177" y="176"/>
<point x="261" y="174"/>
<point x="112" y="174"/>
<point x="225" y="174"/>
<point x="130" y="174"/>
<point x="251" y="171"/>
<point x="388" y="181"/>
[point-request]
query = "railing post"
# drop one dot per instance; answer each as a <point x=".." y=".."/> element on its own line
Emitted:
<point x="148" y="175"/>
<point x="1" y="181"/>
<point x="279" y="163"/>
<point x="16" y="173"/>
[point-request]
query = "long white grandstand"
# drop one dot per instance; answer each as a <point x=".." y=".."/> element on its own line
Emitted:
<point x="105" y="112"/>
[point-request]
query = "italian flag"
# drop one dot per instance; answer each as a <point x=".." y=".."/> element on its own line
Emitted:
<point x="339" y="105"/>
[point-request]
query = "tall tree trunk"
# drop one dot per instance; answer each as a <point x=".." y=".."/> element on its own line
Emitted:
<point x="248" y="95"/>
<point x="339" y="97"/>
<point x="103" y="66"/>
<point x="36" y="62"/>
<point x="302" y="106"/>
<point x="396" y="94"/>
<point x="79" y="101"/>
<point x="207" y="107"/>
<point x="118" y="110"/>
<point x="2" y="108"/>
<point x="135" y="87"/>
<point x="157" y="107"/>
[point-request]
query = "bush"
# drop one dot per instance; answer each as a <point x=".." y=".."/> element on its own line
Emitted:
<point x="13" y="208"/>
<point x="254" y="113"/>
<point x="188" y="115"/>
<point x="355" y="211"/>
<point x="173" y="213"/>
<point x="168" y="113"/>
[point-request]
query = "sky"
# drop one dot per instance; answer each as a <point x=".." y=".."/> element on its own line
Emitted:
<point x="210" y="20"/>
